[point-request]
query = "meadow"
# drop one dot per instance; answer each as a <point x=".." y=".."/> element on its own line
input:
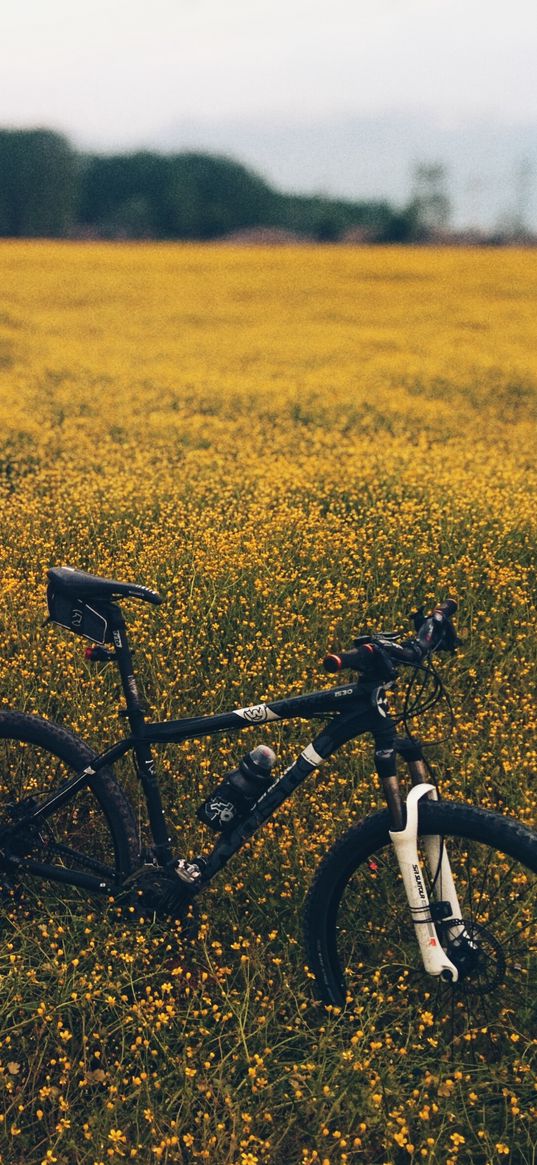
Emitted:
<point x="290" y="445"/>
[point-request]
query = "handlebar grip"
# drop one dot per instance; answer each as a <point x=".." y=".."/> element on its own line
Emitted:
<point x="354" y="660"/>
<point x="368" y="658"/>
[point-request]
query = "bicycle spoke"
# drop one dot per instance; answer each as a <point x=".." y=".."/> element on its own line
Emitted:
<point x="507" y="909"/>
<point x="516" y="933"/>
<point x="485" y="872"/>
<point x="77" y="836"/>
<point x="469" y="896"/>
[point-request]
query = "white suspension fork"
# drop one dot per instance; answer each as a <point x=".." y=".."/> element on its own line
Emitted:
<point x="405" y="842"/>
<point x="441" y="875"/>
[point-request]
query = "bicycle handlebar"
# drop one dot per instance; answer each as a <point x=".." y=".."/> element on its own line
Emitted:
<point x="378" y="655"/>
<point x="448" y="608"/>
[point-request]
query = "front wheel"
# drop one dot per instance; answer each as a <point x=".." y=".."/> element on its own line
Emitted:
<point x="362" y="949"/>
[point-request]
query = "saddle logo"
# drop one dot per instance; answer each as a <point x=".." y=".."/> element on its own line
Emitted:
<point x="76" y="618"/>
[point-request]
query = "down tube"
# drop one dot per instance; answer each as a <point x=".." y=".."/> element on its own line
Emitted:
<point x="335" y="734"/>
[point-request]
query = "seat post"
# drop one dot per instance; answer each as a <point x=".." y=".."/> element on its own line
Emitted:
<point x="135" y="711"/>
<point x="145" y="763"/>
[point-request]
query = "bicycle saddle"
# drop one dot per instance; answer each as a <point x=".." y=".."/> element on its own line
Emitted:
<point x="77" y="584"/>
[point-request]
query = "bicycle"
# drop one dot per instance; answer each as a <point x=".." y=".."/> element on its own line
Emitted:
<point x="451" y="882"/>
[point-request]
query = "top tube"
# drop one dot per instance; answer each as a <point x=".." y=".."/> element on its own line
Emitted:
<point x="325" y="703"/>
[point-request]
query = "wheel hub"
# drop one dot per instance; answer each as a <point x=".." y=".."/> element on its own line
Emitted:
<point x="477" y="955"/>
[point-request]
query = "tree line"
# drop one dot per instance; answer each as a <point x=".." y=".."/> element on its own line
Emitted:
<point x="48" y="189"/>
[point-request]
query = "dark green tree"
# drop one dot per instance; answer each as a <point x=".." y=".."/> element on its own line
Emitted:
<point x="217" y="195"/>
<point x="327" y="219"/>
<point x="47" y="189"/>
<point x="402" y="226"/>
<point x="120" y="194"/>
<point x="38" y="184"/>
<point x="171" y="196"/>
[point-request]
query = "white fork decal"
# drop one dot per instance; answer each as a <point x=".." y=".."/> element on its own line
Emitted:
<point x="405" y="842"/>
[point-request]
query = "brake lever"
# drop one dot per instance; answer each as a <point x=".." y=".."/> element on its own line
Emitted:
<point x="450" y="640"/>
<point x="391" y="636"/>
<point x="418" y="618"/>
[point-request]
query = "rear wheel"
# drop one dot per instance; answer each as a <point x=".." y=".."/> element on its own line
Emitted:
<point x="94" y="833"/>
<point x="362" y="948"/>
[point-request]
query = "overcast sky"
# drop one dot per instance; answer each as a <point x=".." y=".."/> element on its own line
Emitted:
<point x="339" y="96"/>
<point x="117" y="72"/>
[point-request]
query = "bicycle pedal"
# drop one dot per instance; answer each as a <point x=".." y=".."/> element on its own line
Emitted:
<point x="188" y="872"/>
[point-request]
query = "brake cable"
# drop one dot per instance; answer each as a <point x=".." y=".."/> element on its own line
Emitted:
<point x="414" y="704"/>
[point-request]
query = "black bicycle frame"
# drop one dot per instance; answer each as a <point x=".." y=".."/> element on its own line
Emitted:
<point x="351" y="709"/>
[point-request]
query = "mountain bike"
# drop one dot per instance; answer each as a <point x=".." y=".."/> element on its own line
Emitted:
<point x="427" y="901"/>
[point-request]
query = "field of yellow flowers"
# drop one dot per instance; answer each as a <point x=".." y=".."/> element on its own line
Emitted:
<point x="291" y="445"/>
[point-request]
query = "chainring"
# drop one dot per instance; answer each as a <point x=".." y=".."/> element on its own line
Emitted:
<point x="160" y="892"/>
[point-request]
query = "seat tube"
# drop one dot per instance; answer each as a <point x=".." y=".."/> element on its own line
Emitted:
<point x="145" y="762"/>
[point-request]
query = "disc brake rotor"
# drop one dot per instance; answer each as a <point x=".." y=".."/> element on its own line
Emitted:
<point x="476" y="953"/>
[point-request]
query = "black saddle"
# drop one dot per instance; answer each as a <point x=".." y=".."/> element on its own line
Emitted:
<point x="76" y="584"/>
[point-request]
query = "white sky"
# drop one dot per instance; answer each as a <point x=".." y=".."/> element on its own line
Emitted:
<point x="113" y="73"/>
